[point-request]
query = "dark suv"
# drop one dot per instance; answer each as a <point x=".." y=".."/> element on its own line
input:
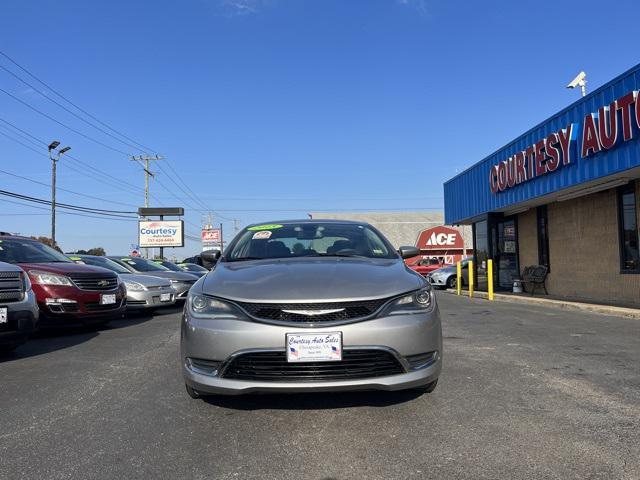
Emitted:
<point x="67" y="293"/>
<point x="18" y="307"/>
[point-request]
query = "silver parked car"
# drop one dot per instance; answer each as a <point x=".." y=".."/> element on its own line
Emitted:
<point x="18" y="307"/>
<point x="447" y="277"/>
<point x="311" y="305"/>
<point x="143" y="291"/>
<point x="180" y="281"/>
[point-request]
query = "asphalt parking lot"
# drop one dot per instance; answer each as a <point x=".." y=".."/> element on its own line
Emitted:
<point x="526" y="392"/>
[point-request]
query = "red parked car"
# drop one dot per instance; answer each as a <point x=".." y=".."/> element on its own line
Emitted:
<point x="67" y="293"/>
<point x="425" y="266"/>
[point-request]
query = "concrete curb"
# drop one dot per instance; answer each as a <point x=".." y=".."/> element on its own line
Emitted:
<point x="586" y="307"/>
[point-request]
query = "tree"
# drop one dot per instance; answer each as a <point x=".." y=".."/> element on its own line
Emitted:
<point x="47" y="241"/>
<point x="99" y="251"/>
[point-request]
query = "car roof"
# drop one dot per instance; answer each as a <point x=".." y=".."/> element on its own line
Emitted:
<point x="19" y="237"/>
<point x="310" y="221"/>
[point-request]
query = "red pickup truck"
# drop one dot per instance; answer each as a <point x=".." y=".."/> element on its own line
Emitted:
<point x="424" y="266"/>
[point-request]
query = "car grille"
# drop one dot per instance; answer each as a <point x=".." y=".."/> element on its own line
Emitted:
<point x="273" y="366"/>
<point x="286" y="312"/>
<point x="95" y="282"/>
<point x="11" y="287"/>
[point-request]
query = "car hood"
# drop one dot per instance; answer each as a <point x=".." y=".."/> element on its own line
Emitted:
<point x="310" y="279"/>
<point x="64" y="268"/>
<point x="145" y="280"/>
<point x="182" y="277"/>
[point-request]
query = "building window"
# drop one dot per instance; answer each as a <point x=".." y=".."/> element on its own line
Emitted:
<point x="543" y="237"/>
<point x="628" y="226"/>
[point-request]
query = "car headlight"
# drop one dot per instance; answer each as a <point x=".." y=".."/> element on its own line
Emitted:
<point x="414" y="302"/>
<point x="134" y="286"/>
<point x="46" y="278"/>
<point x="26" y="283"/>
<point x="201" y="306"/>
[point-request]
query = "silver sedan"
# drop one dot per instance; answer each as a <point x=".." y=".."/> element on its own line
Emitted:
<point x="143" y="291"/>
<point x="311" y="306"/>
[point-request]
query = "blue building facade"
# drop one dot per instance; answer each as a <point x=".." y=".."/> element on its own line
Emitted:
<point x="591" y="146"/>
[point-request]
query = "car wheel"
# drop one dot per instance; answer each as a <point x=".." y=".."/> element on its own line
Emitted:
<point x="192" y="393"/>
<point x="429" y="387"/>
<point x="452" y="282"/>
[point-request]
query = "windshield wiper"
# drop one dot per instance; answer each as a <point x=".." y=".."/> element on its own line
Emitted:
<point x="238" y="259"/>
<point x="340" y="255"/>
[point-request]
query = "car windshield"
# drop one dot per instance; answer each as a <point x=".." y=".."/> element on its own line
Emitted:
<point x="104" y="263"/>
<point x="192" y="267"/>
<point x="309" y="239"/>
<point x="29" y="251"/>
<point x="143" y="265"/>
<point x="168" y="265"/>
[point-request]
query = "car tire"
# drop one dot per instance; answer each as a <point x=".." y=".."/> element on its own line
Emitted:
<point x="429" y="387"/>
<point x="191" y="392"/>
<point x="452" y="282"/>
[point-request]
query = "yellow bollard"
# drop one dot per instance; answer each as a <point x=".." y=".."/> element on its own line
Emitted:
<point x="470" y="278"/>
<point x="459" y="278"/>
<point x="490" y="278"/>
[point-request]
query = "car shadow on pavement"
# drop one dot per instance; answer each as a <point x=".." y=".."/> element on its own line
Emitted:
<point x="47" y="341"/>
<point x="313" y="401"/>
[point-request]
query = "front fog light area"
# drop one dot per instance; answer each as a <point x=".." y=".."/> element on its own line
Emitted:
<point x="203" y="367"/>
<point x="422" y="360"/>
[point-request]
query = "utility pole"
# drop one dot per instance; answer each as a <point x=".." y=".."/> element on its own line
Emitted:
<point x="235" y="225"/>
<point x="221" y="239"/>
<point x="54" y="157"/>
<point x="147" y="173"/>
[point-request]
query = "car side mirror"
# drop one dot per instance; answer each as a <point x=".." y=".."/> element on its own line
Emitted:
<point x="210" y="256"/>
<point x="408" y="252"/>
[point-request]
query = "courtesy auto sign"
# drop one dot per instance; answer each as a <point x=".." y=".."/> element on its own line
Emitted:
<point x="603" y="130"/>
<point x="160" y="233"/>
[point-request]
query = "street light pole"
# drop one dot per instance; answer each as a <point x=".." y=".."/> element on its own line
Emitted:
<point x="54" y="156"/>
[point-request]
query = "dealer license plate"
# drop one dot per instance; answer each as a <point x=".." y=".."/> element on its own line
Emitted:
<point x="314" y="347"/>
<point x="108" y="299"/>
<point x="165" y="297"/>
<point x="4" y="315"/>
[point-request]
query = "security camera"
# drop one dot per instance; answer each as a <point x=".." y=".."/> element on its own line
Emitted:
<point x="579" y="81"/>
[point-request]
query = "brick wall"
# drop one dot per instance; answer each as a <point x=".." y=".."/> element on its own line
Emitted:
<point x="583" y="250"/>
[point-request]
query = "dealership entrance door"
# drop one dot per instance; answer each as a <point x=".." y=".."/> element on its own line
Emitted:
<point x="496" y="237"/>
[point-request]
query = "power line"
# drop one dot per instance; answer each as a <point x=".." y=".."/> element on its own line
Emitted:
<point x="77" y="132"/>
<point x="64" y="189"/>
<point x="66" y="213"/>
<point x="73" y="104"/>
<point x="114" y="181"/>
<point x="98" y="211"/>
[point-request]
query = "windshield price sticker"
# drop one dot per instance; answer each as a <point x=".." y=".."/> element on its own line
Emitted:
<point x="314" y="347"/>
<point x="4" y="317"/>
<point x="262" y="235"/>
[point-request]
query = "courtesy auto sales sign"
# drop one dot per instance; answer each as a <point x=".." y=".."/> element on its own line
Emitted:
<point x="160" y="233"/>
<point x="603" y="130"/>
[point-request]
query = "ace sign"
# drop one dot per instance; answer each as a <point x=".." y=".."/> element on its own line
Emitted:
<point x="440" y="238"/>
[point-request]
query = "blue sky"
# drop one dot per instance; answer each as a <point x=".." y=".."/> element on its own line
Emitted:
<point x="273" y="108"/>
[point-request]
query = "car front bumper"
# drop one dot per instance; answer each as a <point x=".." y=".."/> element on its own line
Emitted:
<point x="221" y="340"/>
<point x="437" y="281"/>
<point x="181" y="289"/>
<point x="22" y="318"/>
<point x="150" y="298"/>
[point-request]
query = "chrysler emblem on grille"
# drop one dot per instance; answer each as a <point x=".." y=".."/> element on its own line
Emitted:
<point x="103" y="283"/>
<point x="313" y="313"/>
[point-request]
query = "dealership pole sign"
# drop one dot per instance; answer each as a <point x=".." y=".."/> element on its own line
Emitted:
<point x="603" y="130"/>
<point x="160" y="233"/>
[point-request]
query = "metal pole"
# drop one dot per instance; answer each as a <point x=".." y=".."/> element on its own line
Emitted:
<point x="53" y="201"/>
<point x="470" y="278"/>
<point x="490" y="279"/>
<point x="221" y="239"/>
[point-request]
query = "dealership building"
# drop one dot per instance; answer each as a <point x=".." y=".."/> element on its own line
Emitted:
<point x="566" y="195"/>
